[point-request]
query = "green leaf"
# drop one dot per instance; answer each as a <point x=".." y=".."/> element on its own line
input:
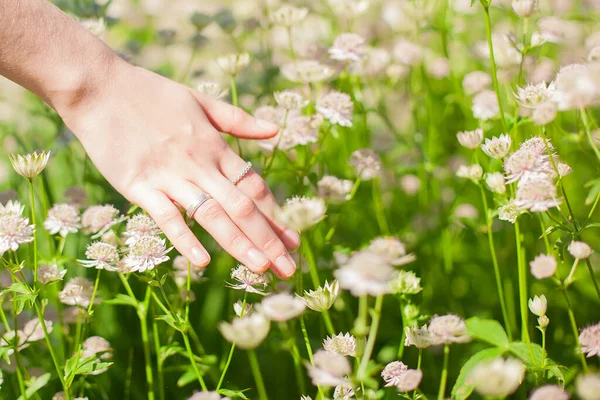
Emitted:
<point x="21" y="299"/>
<point x="170" y="350"/>
<point x="531" y="354"/>
<point x="233" y="393"/>
<point x="36" y="384"/>
<point x="121" y="299"/>
<point x="177" y="324"/>
<point x="462" y="389"/>
<point x="188" y="377"/>
<point x="488" y="330"/>
<point x="594" y="186"/>
<point x="19" y="287"/>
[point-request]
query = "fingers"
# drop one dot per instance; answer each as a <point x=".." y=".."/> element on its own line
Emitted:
<point x="254" y="186"/>
<point x="245" y="214"/>
<point x="220" y="226"/>
<point x="235" y="121"/>
<point x="169" y="219"/>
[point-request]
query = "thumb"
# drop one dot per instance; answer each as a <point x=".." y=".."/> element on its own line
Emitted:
<point x="235" y="121"/>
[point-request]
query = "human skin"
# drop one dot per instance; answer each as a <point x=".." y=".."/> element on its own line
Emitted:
<point x="156" y="141"/>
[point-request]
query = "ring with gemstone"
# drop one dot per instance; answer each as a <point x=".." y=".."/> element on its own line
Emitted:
<point x="196" y="204"/>
<point x="243" y="173"/>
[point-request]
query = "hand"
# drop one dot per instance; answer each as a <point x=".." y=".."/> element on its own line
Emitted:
<point x="158" y="142"/>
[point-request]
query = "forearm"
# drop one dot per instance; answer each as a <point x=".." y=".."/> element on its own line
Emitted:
<point x="51" y="54"/>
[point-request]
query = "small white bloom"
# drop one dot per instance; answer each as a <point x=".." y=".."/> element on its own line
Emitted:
<point x="337" y="108"/>
<point x="449" y="328"/>
<point x="323" y="297"/>
<point x="589" y="338"/>
<point x="498" y="378"/>
<point x="470" y="139"/>
<point x="281" y="307"/>
<point x="290" y="100"/>
<point x="580" y="250"/>
<point x="366" y="163"/>
<point x="232" y="64"/>
<point x="301" y="213"/>
<point x="365" y="273"/>
<point x="343" y="344"/>
<point x="247" y="332"/>
<point x="248" y="280"/>
<point x="146" y="253"/>
<point x="30" y="165"/>
<point x="543" y="266"/>
<point x="212" y="89"/>
<point x="101" y="256"/>
<point x="495" y="182"/>
<point x="497" y="147"/>
<point x="538" y="305"/>
<point x="348" y="47"/>
<point x="329" y="369"/>
<point x="62" y="219"/>
<point x="50" y="273"/>
<point x="485" y="105"/>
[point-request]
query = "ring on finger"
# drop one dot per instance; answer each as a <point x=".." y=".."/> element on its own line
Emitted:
<point x="203" y="198"/>
<point x="242" y="174"/>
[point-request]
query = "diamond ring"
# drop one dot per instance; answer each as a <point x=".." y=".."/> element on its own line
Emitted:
<point x="243" y="173"/>
<point x="196" y="204"/>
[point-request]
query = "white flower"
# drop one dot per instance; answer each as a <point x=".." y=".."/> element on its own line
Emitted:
<point x="470" y="139"/>
<point x="406" y="282"/>
<point x="348" y="47"/>
<point x="407" y="53"/>
<point x="77" y="292"/>
<point x="563" y="169"/>
<point x="588" y="386"/>
<point x="343" y="392"/>
<point x="232" y="64"/>
<point x="96" y="26"/>
<point x="62" y="219"/>
<point x="146" y="253"/>
<point x="589" y="338"/>
<point x="180" y="265"/>
<point x="30" y="165"/>
<point x="288" y="16"/>
<point x="495" y="181"/>
<point x="14" y="231"/>
<point x="397" y="374"/>
<point x="421" y="337"/>
<point x="329" y="369"/>
<point x="366" y="163"/>
<point x="449" y="329"/>
<point x="212" y="89"/>
<point x="301" y="213"/>
<point x="207" y="396"/>
<point x="391" y="250"/>
<point x="99" y="219"/>
<point x="536" y="193"/>
<point x="497" y="147"/>
<point x="579" y="250"/>
<point x="476" y="81"/>
<point x="538" y="305"/>
<point x="290" y="100"/>
<point x="535" y="95"/>
<point x="101" y="256"/>
<point x="281" y="307"/>
<point x="543" y="266"/>
<point x="509" y="212"/>
<point x="247" y="280"/>
<point x="544" y="114"/>
<point x="241" y="309"/>
<point x="50" y="273"/>
<point x="337" y="108"/>
<point x="11" y="208"/>
<point x="498" y="378"/>
<point x="525" y="8"/>
<point x="473" y="172"/>
<point x="549" y="392"/>
<point x="485" y="105"/>
<point x="323" y="297"/>
<point x="438" y="67"/>
<point x="138" y="226"/>
<point x="578" y="86"/>
<point x="34" y="331"/>
<point x="365" y="273"/>
<point x="306" y="71"/>
<point x="343" y="344"/>
<point x="247" y="332"/>
<point x="334" y="189"/>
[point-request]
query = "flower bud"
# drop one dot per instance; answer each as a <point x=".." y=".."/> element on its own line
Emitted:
<point x="538" y="305"/>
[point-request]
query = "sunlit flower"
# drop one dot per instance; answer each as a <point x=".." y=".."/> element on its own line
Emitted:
<point x="212" y="89"/>
<point x="247" y="332"/>
<point x="563" y="169"/>
<point x="589" y="338"/>
<point x="534" y="95"/>
<point x="288" y="16"/>
<point x="391" y="250"/>
<point x="248" y="280"/>
<point x="509" y="212"/>
<point x="421" y="337"/>
<point x="334" y="189"/>
<point x="146" y="253"/>
<point x="99" y="219"/>
<point x="588" y="386"/>
<point x="290" y="100"/>
<point x="497" y="147"/>
<point x="476" y="81"/>
<point x="365" y="273"/>
<point x="544" y="114"/>
<point x="232" y="64"/>
<point x="301" y="213"/>
<point x="485" y="105"/>
<point x="536" y="193"/>
<point x="101" y="256"/>
<point x="549" y="392"/>
<point x="538" y="305"/>
<point x="323" y="297"/>
<point x="138" y="226"/>
<point x="281" y="307"/>
<point x="543" y="321"/>
<point x="449" y="328"/>
<point x="343" y="392"/>
<point x="406" y="282"/>
<point x="329" y="369"/>
<point x="62" y="219"/>
<point x="11" y="208"/>
<point x="30" y="165"/>
<point x="495" y="182"/>
<point x="580" y="250"/>
<point x="347" y="47"/>
<point x="306" y="71"/>
<point x="14" y="231"/>
<point x="473" y="172"/>
<point x="343" y="344"/>
<point x="241" y="310"/>
<point x="366" y="163"/>
<point x="397" y="374"/>
<point x="497" y="378"/>
<point x="525" y="8"/>
<point x="77" y="292"/>
<point x="336" y="107"/>
<point x="50" y="273"/>
<point x="543" y="266"/>
<point x="470" y="139"/>
<point x="578" y="86"/>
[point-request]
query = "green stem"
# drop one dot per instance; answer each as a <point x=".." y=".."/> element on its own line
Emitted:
<point x="328" y="324"/>
<point x="291" y="43"/>
<point x="234" y="101"/>
<point x="379" y="212"/>
<point x="232" y="348"/>
<point x="35" y="253"/>
<point x="569" y="279"/>
<point x="444" y="376"/>
<point x="159" y="364"/>
<point x="418" y="368"/>
<point x="190" y="354"/>
<point x="497" y="275"/>
<point x="142" y="315"/>
<point x="376" y="316"/>
<point x="310" y="258"/>
<point x="17" y="353"/>
<point x="575" y="331"/>
<point x="260" y="385"/>
<point x="522" y="286"/>
<point x="285" y="331"/>
<point x="588" y="132"/>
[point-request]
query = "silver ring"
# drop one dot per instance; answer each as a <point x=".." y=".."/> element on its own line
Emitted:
<point x="243" y="173"/>
<point x="196" y="204"/>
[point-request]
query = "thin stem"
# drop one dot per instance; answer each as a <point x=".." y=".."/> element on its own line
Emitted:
<point x="19" y="366"/>
<point x="310" y="258"/>
<point x="328" y="323"/>
<point x="232" y="348"/>
<point x="35" y="253"/>
<point x="418" y="368"/>
<point x="569" y="279"/>
<point x="285" y="331"/>
<point x="522" y="286"/>
<point x="379" y="212"/>
<point x="403" y="337"/>
<point x="575" y="331"/>
<point x="234" y="101"/>
<point x="588" y="132"/>
<point x="260" y="385"/>
<point x="488" y="32"/>
<point x="159" y="364"/>
<point x="142" y="315"/>
<point x="364" y="361"/>
<point x="444" y="376"/>
<point x="190" y="354"/>
<point x="497" y="275"/>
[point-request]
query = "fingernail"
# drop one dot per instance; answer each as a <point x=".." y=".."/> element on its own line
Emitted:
<point x="258" y="259"/>
<point x="292" y="237"/>
<point x="200" y="257"/>
<point x="286" y="265"/>
<point x="266" y="124"/>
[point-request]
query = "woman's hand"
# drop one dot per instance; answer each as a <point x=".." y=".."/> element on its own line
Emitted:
<point x="158" y="142"/>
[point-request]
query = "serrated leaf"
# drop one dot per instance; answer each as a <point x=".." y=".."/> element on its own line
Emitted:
<point x="462" y="389"/>
<point x="21" y="299"/>
<point x="36" y="384"/>
<point x="176" y="323"/>
<point x="488" y="330"/>
<point x="170" y="350"/>
<point x="233" y="393"/>
<point x="531" y="354"/>
<point x="121" y="299"/>
<point x="19" y="287"/>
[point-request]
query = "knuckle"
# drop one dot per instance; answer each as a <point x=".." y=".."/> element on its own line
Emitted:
<point x="238" y="241"/>
<point x="210" y="210"/>
<point x="168" y="218"/>
<point x="242" y="206"/>
<point x="258" y="187"/>
<point x="274" y="245"/>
